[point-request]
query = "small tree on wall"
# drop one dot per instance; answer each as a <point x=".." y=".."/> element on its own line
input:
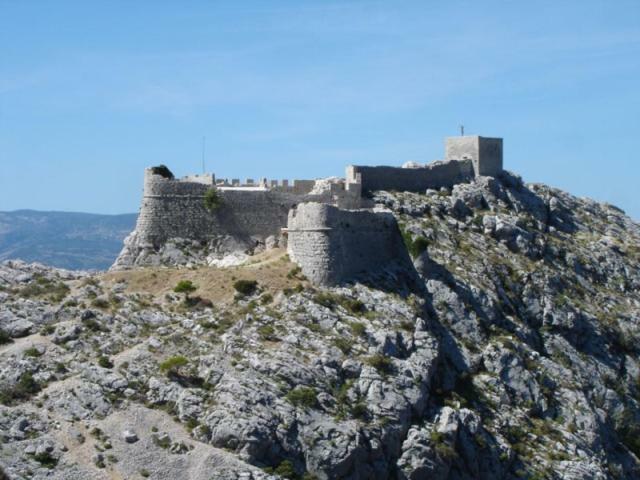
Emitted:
<point x="212" y="200"/>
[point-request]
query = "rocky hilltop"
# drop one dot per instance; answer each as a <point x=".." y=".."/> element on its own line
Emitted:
<point x="515" y="355"/>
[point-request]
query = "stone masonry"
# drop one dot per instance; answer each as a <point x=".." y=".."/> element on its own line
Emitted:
<point x="484" y="152"/>
<point x="333" y="245"/>
<point x="329" y="234"/>
<point x="465" y="158"/>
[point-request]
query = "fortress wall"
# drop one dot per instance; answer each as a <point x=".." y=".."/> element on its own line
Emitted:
<point x="491" y="155"/>
<point x="332" y="245"/>
<point x="171" y="208"/>
<point x="308" y="241"/>
<point x="297" y="187"/>
<point x="434" y="175"/>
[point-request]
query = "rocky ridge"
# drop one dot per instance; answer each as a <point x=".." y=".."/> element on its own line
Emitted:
<point x="516" y="356"/>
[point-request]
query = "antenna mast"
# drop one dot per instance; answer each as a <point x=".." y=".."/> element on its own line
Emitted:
<point x="203" y="145"/>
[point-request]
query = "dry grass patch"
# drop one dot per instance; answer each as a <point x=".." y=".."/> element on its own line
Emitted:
<point x="269" y="269"/>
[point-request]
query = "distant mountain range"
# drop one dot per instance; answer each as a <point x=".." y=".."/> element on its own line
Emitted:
<point x="70" y="240"/>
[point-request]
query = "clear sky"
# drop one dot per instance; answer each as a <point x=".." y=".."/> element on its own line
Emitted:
<point x="91" y="92"/>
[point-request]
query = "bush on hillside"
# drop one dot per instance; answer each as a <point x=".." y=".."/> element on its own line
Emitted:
<point x="173" y="364"/>
<point x="246" y="287"/>
<point x="186" y="287"/>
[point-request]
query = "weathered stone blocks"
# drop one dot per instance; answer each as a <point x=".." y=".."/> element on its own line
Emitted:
<point x="484" y="152"/>
<point x="332" y="245"/>
<point x="435" y="175"/>
<point x="331" y="238"/>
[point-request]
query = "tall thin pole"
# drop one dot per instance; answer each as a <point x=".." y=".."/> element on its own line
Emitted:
<point x="462" y="130"/>
<point x="203" y="145"/>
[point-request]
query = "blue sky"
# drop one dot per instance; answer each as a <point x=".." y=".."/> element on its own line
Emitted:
<point x="92" y="92"/>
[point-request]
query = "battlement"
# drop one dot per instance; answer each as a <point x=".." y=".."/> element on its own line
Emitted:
<point x="156" y="184"/>
<point x="330" y="234"/>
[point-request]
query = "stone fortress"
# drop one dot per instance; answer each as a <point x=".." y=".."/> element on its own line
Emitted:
<point x="331" y="228"/>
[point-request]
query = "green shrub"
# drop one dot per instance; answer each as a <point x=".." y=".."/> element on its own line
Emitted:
<point x="290" y="291"/>
<point x="212" y="200"/>
<point x="628" y="429"/>
<point x="161" y="441"/>
<point x="380" y="362"/>
<point x="353" y="305"/>
<point x="306" y="397"/>
<point x="414" y="247"/>
<point x="359" y="410"/>
<point x="420" y="244"/>
<point x="105" y="362"/>
<point x="47" y="330"/>
<point x="4" y="337"/>
<point x="294" y="272"/>
<point x="32" y="352"/>
<point x="100" y="303"/>
<point x="192" y="423"/>
<point x="344" y="344"/>
<point x="267" y="332"/>
<point x="45" y="459"/>
<point x="93" y="325"/>
<point x="173" y="364"/>
<point x="42" y="286"/>
<point x="345" y="406"/>
<point x="442" y="447"/>
<point x="186" y="287"/>
<point x="407" y="325"/>
<point x="22" y="390"/>
<point x="163" y="171"/>
<point x="60" y="368"/>
<point x="27" y="384"/>
<point x="358" y="329"/>
<point x="246" y="287"/>
<point x="286" y="470"/>
<point x="330" y="300"/>
<point x="325" y="299"/>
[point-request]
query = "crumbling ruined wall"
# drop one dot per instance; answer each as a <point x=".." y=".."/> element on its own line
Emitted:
<point x="332" y="245"/>
<point x="434" y="175"/>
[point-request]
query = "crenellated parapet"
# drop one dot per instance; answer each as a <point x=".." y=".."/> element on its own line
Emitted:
<point x="248" y="214"/>
<point x="329" y="233"/>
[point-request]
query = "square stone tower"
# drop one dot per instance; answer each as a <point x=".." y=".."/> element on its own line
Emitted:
<point x="484" y="152"/>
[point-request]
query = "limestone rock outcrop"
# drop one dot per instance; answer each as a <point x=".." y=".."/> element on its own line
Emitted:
<point x="519" y="356"/>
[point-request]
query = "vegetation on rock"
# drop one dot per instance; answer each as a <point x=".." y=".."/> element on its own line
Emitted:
<point x="245" y="287"/>
<point x="163" y="171"/>
<point x="212" y="199"/>
<point x="517" y="356"/>
<point x="185" y="286"/>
